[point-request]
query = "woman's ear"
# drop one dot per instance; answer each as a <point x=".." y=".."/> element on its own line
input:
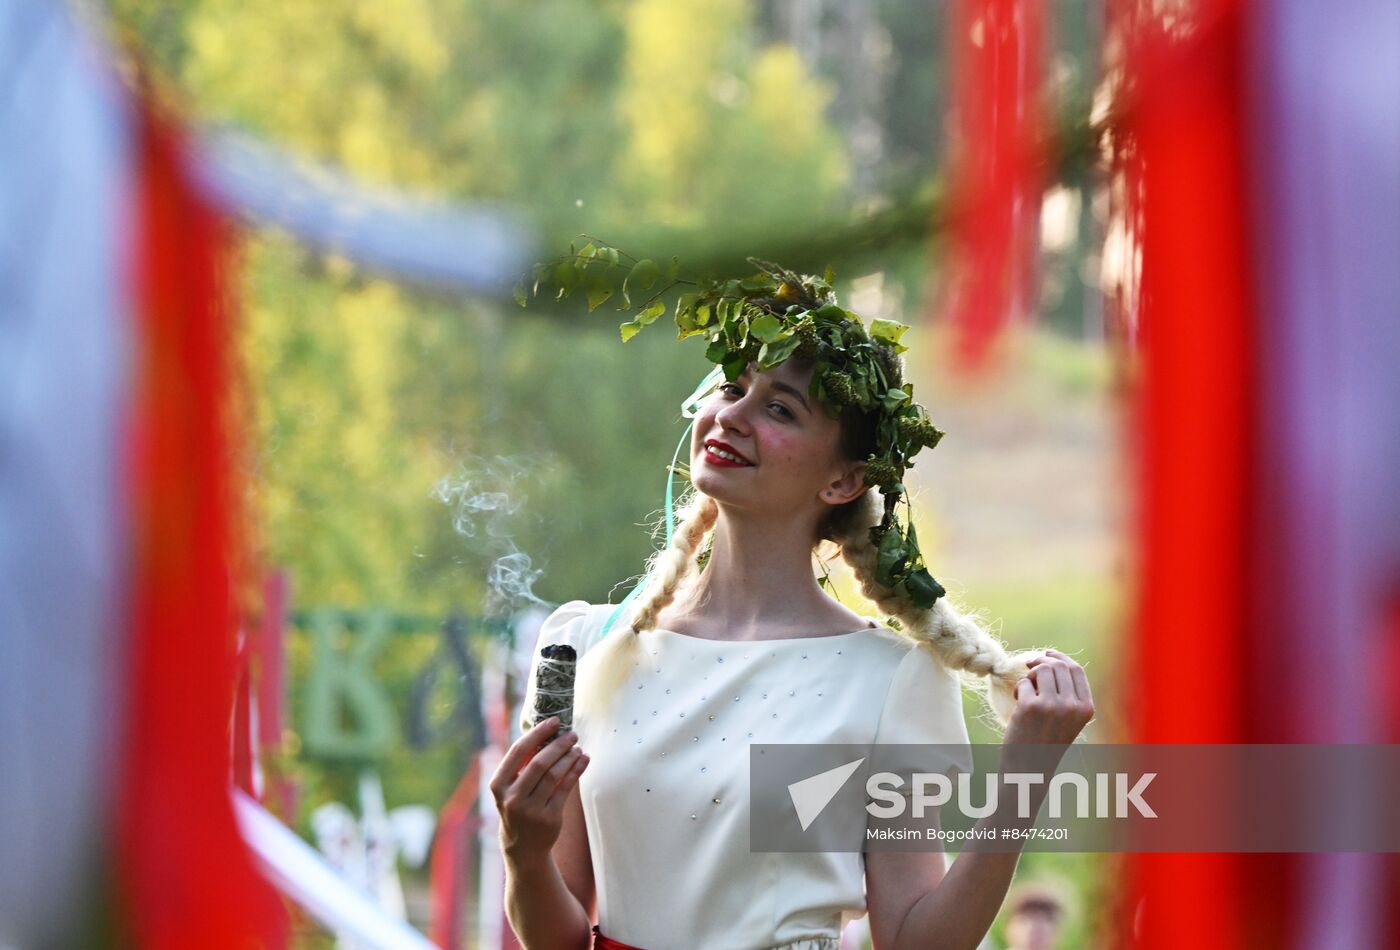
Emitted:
<point x="848" y="487"/>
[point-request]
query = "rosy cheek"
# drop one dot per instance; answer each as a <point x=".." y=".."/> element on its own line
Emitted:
<point x="782" y="446"/>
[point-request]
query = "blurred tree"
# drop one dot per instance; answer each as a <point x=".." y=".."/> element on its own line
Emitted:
<point x="718" y="124"/>
<point x="705" y="119"/>
<point x="372" y="399"/>
<point x="368" y="394"/>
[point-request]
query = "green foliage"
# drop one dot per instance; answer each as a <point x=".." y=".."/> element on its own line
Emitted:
<point x="670" y="117"/>
<point x="763" y="319"/>
<point x="715" y="124"/>
<point x="366" y="395"/>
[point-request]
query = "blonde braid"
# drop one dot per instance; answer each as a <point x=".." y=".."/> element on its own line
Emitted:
<point x="669" y="568"/>
<point x="604" y="670"/>
<point x="958" y="640"/>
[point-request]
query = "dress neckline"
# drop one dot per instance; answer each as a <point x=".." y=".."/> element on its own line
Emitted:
<point x="825" y="636"/>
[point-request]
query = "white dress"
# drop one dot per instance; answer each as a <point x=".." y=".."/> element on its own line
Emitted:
<point x="666" y="799"/>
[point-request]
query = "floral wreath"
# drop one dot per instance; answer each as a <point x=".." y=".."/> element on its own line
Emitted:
<point x="765" y="318"/>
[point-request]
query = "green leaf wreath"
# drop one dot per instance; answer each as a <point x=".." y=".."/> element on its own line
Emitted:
<point x="765" y="318"/>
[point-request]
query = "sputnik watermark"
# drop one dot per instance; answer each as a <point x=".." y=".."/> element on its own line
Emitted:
<point x="934" y="790"/>
<point x="1144" y="798"/>
<point x="890" y="802"/>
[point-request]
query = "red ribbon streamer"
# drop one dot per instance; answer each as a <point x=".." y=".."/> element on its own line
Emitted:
<point x="1186" y="153"/>
<point x="996" y="181"/>
<point x="450" y="877"/>
<point x="185" y="875"/>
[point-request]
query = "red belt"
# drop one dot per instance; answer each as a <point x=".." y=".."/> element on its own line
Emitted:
<point x="607" y="943"/>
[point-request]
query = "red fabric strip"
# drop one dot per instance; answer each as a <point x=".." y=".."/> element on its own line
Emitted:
<point x="185" y="876"/>
<point x="1194" y="421"/>
<point x="996" y="176"/>
<point x="450" y="875"/>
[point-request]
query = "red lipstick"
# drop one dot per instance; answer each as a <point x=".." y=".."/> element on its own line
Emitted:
<point x="738" y="460"/>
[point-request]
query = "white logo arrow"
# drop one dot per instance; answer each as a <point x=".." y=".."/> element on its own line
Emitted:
<point x="811" y="795"/>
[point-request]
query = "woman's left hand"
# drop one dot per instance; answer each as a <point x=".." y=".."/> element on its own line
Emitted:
<point x="1053" y="703"/>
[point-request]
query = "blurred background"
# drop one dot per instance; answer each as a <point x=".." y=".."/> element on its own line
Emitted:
<point x="423" y="469"/>
<point x="433" y="455"/>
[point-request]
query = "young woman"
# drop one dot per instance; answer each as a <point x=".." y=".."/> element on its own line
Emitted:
<point x="647" y="832"/>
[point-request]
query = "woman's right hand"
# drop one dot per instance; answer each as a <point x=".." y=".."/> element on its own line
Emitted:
<point x="531" y="785"/>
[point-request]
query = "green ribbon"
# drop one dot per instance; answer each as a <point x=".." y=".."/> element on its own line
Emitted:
<point x="690" y="408"/>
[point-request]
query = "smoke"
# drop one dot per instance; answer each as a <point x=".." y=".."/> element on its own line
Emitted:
<point x="510" y="579"/>
<point x="484" y="497"/>
<point x="479" y="495"/>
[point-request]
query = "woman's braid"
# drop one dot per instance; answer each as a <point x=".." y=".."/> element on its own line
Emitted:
<point x="958" y="640"/>
<point x="605" y="669"/>
<point x="669" y="568"/>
